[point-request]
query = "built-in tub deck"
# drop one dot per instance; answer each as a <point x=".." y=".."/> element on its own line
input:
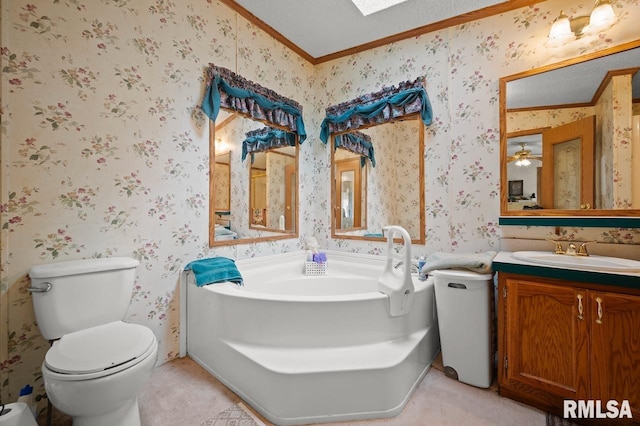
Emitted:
<point x="304" y="349"/>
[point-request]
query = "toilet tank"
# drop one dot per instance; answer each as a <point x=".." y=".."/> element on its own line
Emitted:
<point x="81" y="293"/>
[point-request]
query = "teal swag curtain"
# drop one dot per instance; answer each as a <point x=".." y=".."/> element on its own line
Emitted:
<point x="358" y="143"/>
<point x="377" y="108"/>
<point x="231" y="91"/>
<point x="265" y="139"/>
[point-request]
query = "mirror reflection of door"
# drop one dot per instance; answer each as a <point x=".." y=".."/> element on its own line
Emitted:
<point x="290" y="196"/>
<point x="348" y="194"/>
<point x="568" y="165"/>
<point x="258" y="202"/>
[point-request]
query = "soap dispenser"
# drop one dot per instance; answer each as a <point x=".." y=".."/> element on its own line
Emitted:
<point x="421" y="262"/>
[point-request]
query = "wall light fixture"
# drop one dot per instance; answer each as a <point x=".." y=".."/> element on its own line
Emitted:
<point x="565" y="29"/>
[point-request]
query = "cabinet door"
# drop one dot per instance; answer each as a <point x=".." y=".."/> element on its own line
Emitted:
<point x="615" y="342"/>
<point x="546" y="342"/>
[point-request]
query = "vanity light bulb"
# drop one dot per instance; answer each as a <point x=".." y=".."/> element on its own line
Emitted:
<point x="561" y="28"/>
<point x="602" y="16"/>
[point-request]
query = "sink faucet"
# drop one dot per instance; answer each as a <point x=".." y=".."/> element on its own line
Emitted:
<point x="572" y="249"/>
<point x="558" y="247"/>
<point x="582" y="250"/>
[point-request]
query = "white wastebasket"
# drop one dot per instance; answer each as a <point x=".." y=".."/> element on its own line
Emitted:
<point x="464" y="317"/>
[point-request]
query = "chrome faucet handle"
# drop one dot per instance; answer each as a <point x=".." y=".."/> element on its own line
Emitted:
<point x="558" y="246"/>
<point x="582" y="250"/>
<point x="414" y="266"/>
<point x="571" y="250"/>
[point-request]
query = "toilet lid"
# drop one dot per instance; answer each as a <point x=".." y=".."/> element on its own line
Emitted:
<point x="99" y="348"/>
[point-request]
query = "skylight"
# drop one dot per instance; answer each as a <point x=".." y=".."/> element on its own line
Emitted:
<point x="367" y="7"/>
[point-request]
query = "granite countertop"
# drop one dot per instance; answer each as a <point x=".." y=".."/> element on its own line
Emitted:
<point x="506" y="263"/>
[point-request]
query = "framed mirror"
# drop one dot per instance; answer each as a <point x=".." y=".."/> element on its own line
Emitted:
<point x="566" y="132"/>
<point x="254" y="134"/>
<point x="367" y="195"/>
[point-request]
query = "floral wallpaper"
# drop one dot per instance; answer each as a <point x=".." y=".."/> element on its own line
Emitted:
<point x="105" y="151"/>
<point x="539" y="118"/>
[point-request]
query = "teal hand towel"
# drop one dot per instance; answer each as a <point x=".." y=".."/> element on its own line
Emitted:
<point x="214" y="270"/>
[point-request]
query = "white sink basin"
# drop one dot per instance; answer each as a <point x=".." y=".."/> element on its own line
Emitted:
<point x="591" y="263"/>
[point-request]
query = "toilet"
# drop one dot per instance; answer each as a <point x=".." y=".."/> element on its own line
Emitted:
<point x="97" y="363"/>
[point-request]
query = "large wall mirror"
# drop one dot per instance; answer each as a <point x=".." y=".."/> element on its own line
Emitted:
<point x="253" y="173"/>
<point x="367" y="197"/>
<point x="377" y="162"/>
<point x="570" y="137"/>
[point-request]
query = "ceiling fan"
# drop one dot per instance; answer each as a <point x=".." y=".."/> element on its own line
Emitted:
<point x="523" y="157"/>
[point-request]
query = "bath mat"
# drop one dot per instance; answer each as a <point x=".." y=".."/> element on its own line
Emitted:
<point x="553" y="420"/>
<point x="238" y="415"/>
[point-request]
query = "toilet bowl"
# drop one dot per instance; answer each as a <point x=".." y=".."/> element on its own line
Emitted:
<point x="94" y="374"/>
<point x="17" y="414"/>
<point x="97" y="363"/>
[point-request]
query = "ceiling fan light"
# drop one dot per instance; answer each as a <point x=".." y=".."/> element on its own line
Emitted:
<point x="523" y="162"/>
<point x="561" y="28"/>
<point x="602" y="16"/>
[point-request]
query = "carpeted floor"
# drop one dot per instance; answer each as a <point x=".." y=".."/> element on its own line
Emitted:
<point x="181" y="393"/>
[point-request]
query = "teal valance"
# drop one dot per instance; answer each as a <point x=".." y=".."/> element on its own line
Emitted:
<point x="264" y="139"/>
<point x="226" y="89"/>
<point x="358" y="143"/>
<point x="379" y="107"/>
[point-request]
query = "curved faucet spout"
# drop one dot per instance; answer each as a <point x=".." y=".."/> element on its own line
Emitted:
<point x="398" y="286"/>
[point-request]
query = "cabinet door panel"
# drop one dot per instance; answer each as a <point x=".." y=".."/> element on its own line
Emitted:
<point x="615" y="335"/>
<point x="547" y="339"/>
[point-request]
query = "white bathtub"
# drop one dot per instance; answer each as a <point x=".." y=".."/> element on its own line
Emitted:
<point x="311" y="349"/>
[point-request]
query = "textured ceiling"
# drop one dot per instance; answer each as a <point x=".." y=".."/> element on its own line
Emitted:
<point x="324" y="27"/>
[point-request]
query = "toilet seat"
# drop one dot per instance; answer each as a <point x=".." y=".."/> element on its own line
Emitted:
<point x="99" y="351"/>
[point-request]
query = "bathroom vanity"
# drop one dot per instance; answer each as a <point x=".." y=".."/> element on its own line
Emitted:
<point x="568" y="334"/>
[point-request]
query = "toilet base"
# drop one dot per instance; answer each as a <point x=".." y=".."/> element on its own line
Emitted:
<point x="127" y="415"/>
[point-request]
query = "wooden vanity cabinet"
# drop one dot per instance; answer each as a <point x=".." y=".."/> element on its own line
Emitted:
<point x="562" y="340"/>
